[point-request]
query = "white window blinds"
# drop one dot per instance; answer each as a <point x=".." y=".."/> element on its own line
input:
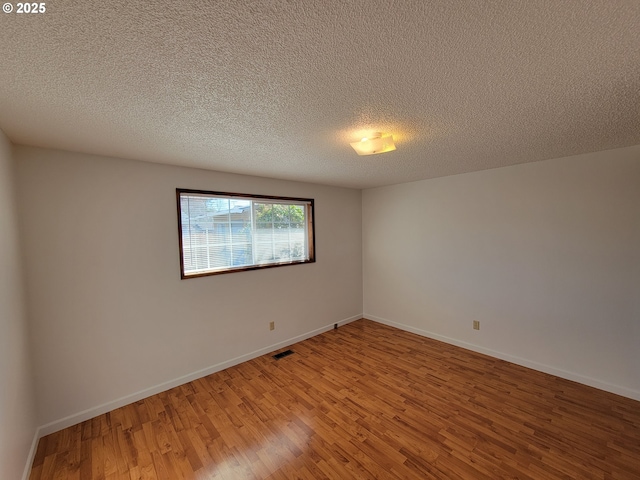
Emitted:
<point x="221" y="232"/>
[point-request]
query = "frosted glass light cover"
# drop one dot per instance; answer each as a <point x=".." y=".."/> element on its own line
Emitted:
<point x="371" y="146"/>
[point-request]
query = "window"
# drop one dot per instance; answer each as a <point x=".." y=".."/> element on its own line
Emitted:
<point x="229" y="232"/>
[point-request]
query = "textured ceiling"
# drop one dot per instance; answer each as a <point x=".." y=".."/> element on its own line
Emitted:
<point x="279" y="88"/>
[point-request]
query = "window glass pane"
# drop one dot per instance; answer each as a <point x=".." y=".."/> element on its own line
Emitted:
<point x="199" y="257"/>
<point x="242" y="254"/>
<point x="282" y="251"/>
<point x="220" y="256"/>
<point x="297" y="216"/>
<point x="263" y="212"/>
<point x="264" y="252"/>
<point x="221" y="233"/>
<point x="188" y="263"/>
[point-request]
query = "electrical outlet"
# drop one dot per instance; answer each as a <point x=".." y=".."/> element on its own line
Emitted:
<point x="272" y="325"/>
<point x="476" y="325"/>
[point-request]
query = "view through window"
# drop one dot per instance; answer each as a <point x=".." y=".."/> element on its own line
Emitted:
<point x="225" y="232"/>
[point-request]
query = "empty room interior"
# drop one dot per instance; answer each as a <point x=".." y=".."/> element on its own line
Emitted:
<point x="293" y="239"/>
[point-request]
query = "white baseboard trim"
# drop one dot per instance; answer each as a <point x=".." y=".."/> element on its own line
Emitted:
<point x="32" y="454"/>
<point x="592" y="382"/>
<point x="134" y="397"/>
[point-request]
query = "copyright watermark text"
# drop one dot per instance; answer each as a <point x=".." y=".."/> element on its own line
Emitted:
<point x="24" y="7"/>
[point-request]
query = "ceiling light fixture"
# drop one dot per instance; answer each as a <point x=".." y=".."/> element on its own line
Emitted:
<point x="376" y="143"/>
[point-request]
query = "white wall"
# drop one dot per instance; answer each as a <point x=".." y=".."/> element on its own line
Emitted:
<point x="545" y="255"/>
<point x="17" y="411"/>
<point x="111" y="319"/>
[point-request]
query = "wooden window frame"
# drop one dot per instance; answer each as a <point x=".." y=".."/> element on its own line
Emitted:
<point x="309" y="217"/>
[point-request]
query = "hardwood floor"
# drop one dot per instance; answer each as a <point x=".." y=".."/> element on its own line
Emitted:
<point x="363" y="401"/>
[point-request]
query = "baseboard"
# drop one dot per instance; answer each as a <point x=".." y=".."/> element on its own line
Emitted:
<point x="592" y="382"/>
<point x="32" y="454"/>
<point x="134" y="397"/>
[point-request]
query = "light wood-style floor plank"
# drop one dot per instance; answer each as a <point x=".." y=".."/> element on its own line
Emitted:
<point x="363" y="401"/>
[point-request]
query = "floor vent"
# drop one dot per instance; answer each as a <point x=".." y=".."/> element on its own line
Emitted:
<point x="280" y="355"/>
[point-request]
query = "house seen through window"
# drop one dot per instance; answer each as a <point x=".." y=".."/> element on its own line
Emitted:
<point x="226" y="232"/>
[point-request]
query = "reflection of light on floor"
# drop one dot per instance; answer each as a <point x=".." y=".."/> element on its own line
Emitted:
<point x="252" y="453"/>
